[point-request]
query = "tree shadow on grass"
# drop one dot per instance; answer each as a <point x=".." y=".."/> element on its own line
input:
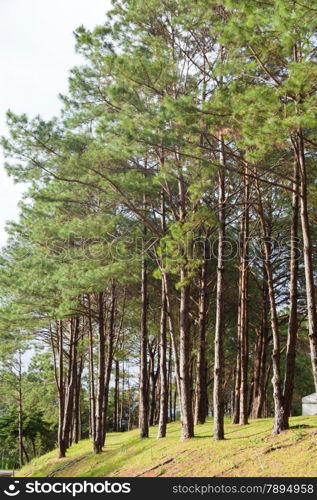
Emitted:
<point x="123" y="460"/>
<point x="302" y="426"/>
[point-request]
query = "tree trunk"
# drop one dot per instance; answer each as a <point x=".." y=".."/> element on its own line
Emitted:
<point x="163" y="414"/>
<point x="218" y="403"/>
<point x="116" y="399"/>
<point x="77" y="413"/>
<point x="98" y="439"/>
<point x="163" y="372"/>
<point x="71" y="380"/>
<point x="292" y="323"/>
<point x="187" y="420"/>
<point x="299" y="152"/>
<point x="92" y="397"/>
<point x="298" y="144"/>
<point x="201" y="382"/>
<point x="108" y="369"/>
<point x="20" y="411"/>
<point x="243" y="413"/>
<point x="33" y="447"/>
<point x="61" y="391"/>
<point x="170" y="384"/>
<point x="122" y="402"/>
<point x="174" y="405"/>
<point x="144" y="384"/>
<point x="153" y="378"/>
<point x="279" y="420"/>
<point x="172" y="333"/>
<point x="261" y="354"/>
<point x="25" y="452"/>
<point x="237" y="378"/>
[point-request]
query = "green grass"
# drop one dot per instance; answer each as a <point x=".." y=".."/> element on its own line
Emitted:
<point x="249" y="451"/>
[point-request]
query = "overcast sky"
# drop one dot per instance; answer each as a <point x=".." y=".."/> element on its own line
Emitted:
<point x="37" y="51"/>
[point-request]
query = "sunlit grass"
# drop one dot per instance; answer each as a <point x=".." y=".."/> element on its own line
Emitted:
<point x="247" y="451"/>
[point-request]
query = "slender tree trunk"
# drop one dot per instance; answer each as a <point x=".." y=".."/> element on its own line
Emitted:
<point x="218" y="402"/>
<point x="299" y="151"/>
<point x="77" y="412"/>
<point x="25" y="452"/>
<point x="20" y="411"/>
<point x="170" y="384"/>
<point x="116" y="398"/>
<point x="108" y="369"/>
<point x="298" y="144"/>
<point x="163" y="372"/>
<point x="98" y="439"/>
<point x="153" y="378"/>
<point x="144" y="383"/>
<point x="129" y="401"/>
<point x="92" y="397"/>
<point x="292" y="323"/>
<point x="174" y="405"/>
<point x="163" y="413"/>
<point x="243" y="413"/>
<point x="69" y="388"/>
<point x="279" y="420"/>
<point x="172" y="332"/>
<point x="187" y="420"/>
<point x="201" y="382"/>
<point x="237" y="378"/>
<point x="121" y="414"/>
<point x="61" y="391"/>
<point x="33" y="447"/>
<point x="71" y="378"/>
<point x="261" y="355"/>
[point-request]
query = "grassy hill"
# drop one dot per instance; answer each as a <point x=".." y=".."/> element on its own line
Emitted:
<point x="247" y="451"/>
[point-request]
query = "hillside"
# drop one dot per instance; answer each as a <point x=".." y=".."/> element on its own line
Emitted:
<point x="247" y="451"/>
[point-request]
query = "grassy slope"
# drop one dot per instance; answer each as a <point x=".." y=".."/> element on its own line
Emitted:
<point x="247" y="451"/>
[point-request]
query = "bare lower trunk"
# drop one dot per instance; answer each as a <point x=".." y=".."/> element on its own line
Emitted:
<point x="109" y="360"/>
<point x="116" y="399"/>
<point x="292" y="323"/>
<point x="144" y="397"/>
<point x="237" y="378"/>
<point x="261" y="355"/>
<point x="170" y="384"/>
<point x="61" y="393"/>
<point x="98" y="439"/>
<point x="299" y="153"/>
<point x="201" y="382"/>
<point x="163" y="372"/>
<point x="77" y="413"/>
<point x="71" y="381"/>
<point x="153" y="375"/>
<point x="187" y="420"/>
<point x="218" y="403"/>
<point x="243" y="413"/>
<point x="298" y="144"/>
<point x="122" y="399"/>
<point x="164" y="385"/>
<point x="279" y="422"/>
<point x="92" y="397"/>
<point x="20" y="412"/>
<point x="172" y="333"/>
<point x="174" y="404"/>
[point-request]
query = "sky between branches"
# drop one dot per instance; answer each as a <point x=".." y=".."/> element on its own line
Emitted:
<point x="37" y="52"/>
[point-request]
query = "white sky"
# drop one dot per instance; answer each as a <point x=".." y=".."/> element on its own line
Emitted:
<point x="36" y="53"/>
